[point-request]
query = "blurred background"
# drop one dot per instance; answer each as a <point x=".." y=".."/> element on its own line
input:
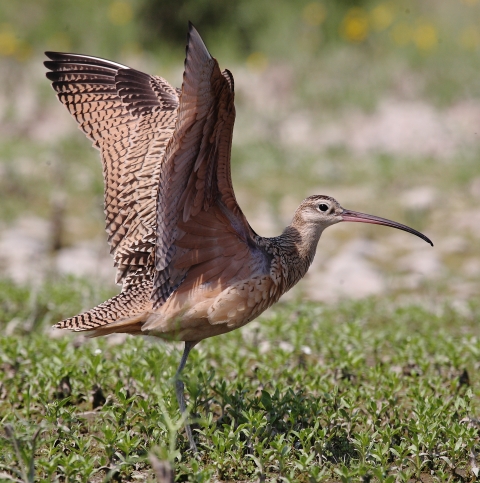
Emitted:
<point x="376" y="103"/>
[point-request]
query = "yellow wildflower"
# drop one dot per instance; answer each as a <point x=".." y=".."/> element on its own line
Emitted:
<point x="8" y="40"/>
<point x="425" y="36"/>
<point x="257" y="62"/>
<point x="355" y="25"/>
<point x="120" y="12"/>
<point x="381" y="17"/>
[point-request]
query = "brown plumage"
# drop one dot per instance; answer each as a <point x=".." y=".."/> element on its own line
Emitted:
<point x="190" y="264"/>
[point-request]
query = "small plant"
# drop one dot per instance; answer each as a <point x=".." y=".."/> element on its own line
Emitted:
<point x="381" y="395"/>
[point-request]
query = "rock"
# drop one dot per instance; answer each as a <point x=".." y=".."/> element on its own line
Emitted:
<point x="347" y="274"/>
<point x="24" y="250"/>
<point x="422" y="262"/>
<point x="419" y="199"/>
<point x="87" y="259"/>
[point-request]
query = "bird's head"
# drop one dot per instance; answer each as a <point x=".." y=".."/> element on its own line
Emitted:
<point x="323" y="211"/>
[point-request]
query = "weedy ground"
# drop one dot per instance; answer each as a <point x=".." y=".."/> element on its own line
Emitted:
<point x="358" y="391"/>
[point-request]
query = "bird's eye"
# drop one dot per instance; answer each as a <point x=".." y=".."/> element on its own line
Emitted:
<point x="323" y="207"/>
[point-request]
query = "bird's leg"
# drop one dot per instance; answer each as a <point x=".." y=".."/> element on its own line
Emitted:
<point x="179" y="389"/>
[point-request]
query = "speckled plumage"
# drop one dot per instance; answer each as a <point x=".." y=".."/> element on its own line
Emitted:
<point x="190" y="264"/>
<point x="130" y="117"/>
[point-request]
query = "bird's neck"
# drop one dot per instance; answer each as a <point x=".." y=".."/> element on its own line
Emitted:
<point x="298" y="244"/>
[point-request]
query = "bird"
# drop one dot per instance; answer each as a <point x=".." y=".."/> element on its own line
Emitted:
<point x="190" y="264"/>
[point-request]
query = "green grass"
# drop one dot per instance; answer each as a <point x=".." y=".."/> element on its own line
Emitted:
<point x="356" y="391"/>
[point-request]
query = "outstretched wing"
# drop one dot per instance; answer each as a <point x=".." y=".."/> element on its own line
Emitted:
<point x="196" y="173"/>
<point x="130" y="117"/>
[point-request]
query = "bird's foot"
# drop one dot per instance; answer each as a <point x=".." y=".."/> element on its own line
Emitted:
<point x="193" y="446"/>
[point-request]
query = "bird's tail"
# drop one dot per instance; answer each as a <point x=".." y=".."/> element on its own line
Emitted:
<point x="122" y="313"/>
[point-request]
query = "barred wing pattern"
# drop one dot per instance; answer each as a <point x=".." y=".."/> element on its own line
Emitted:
<point x="177" y="234"/>
<point x="130" y="116"/>
<point x="129" y="305"/>
<point x="196" y="173"/>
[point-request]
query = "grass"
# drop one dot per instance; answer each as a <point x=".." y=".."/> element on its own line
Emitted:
<point x="356" y="391"/>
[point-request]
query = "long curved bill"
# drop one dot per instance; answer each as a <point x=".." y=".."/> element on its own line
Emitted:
<point x="348" y="215"/>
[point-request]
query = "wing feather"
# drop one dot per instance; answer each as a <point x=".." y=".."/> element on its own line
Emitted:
<point x="170" y="207"/>
<point x="130" y="117"/>
<point x="196" y="172"/>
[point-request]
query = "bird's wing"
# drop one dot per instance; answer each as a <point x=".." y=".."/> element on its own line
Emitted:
<point x="196" y="172"/>
<point x="130" y="117"/>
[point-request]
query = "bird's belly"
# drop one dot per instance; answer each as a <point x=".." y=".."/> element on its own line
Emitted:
<point x="205" y="313"/>
<point x="188" y="324"/>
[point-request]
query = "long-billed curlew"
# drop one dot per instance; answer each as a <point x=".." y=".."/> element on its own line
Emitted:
<point x="190" y="265"/>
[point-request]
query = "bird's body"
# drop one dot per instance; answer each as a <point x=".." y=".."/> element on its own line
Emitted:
<point x="253" y="278"/>
<point x="191" y="266"/>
